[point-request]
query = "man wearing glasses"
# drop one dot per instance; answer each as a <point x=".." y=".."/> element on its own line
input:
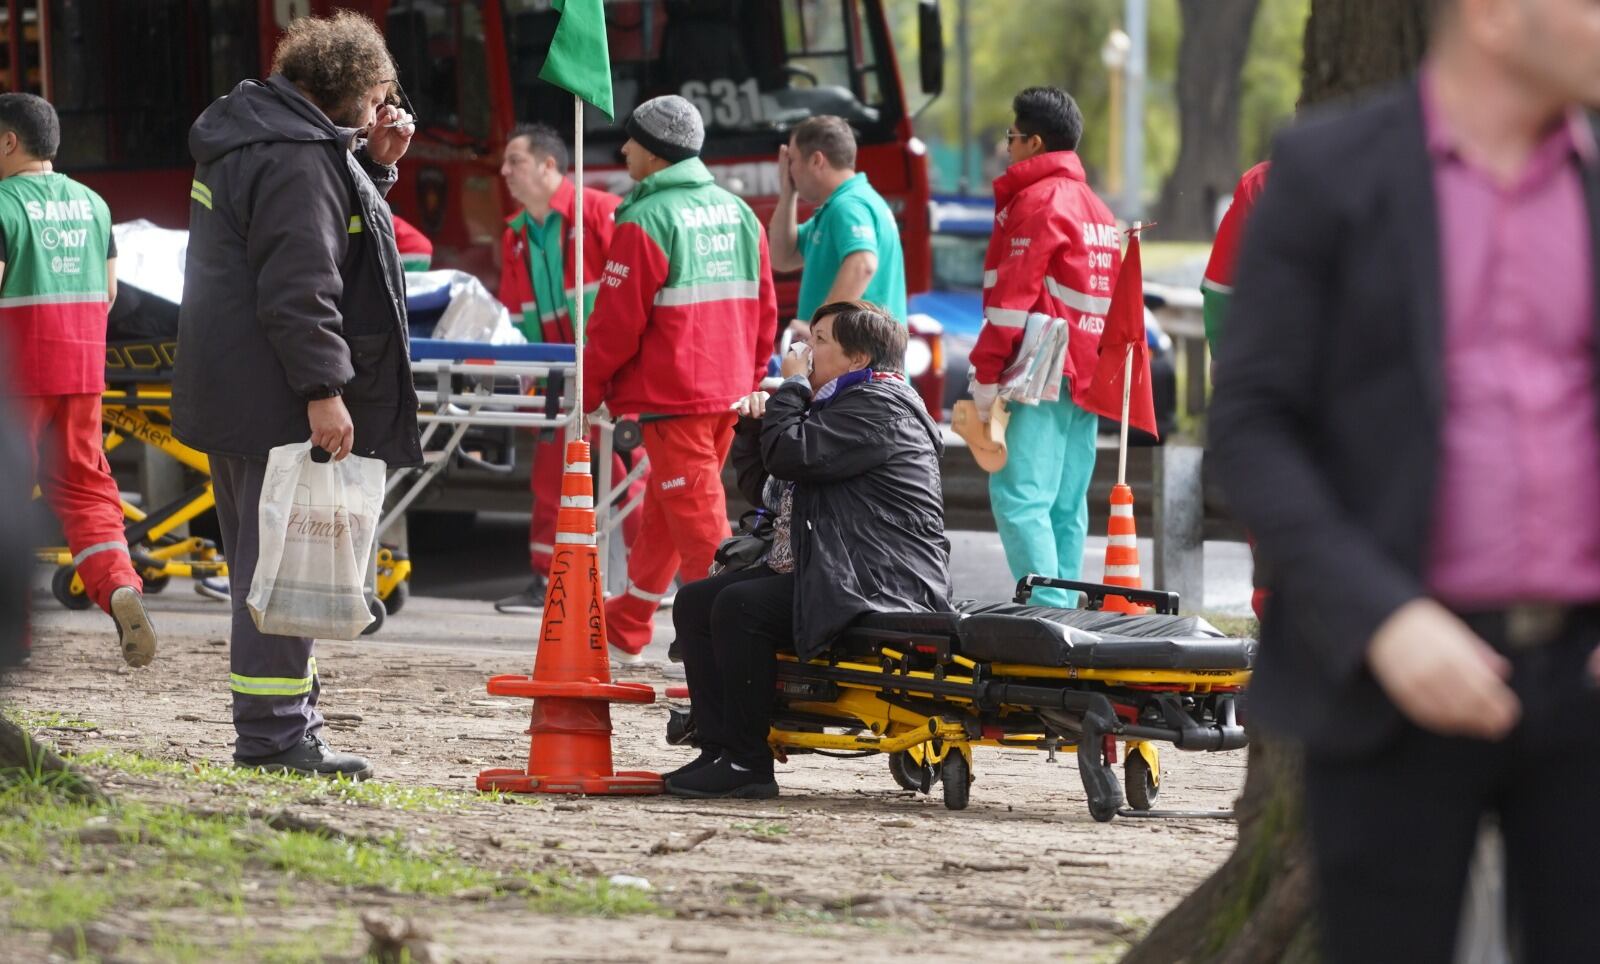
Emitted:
<point x="293" y="326"/>
<point x="1055" y="250"/>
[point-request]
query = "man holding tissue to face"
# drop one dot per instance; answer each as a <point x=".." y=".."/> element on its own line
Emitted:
<point x="293" y="327"/>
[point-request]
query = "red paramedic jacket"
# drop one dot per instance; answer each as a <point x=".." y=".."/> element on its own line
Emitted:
<point x="687" y="313"/>
<point x="599" y="224"/>
<point x="1055" y="250"/>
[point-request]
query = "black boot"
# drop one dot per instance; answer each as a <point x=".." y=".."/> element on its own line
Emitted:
<point x="529" y="600"/>
<point x="311" y="757"/>
<point x="726" y="778"/>
<point x="708" y="755"/>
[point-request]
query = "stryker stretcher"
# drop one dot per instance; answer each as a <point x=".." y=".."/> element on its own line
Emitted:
<point x="135" y="405"/>
<point x="925" y="688"/>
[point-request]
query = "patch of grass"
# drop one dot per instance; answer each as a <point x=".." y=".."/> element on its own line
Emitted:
<point x="1237" y="626"/>
<point x="65" y="863"/>
<point x="279" y="788"/>
<point x="55" y="904"/>
<point x="763" y="829"/>
<point x="168" y="944"/>
<point x="592" y="898"/>
<point x="36" y="720"/>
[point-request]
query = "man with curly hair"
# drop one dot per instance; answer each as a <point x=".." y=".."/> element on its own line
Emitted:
<point x="293" y="326"/>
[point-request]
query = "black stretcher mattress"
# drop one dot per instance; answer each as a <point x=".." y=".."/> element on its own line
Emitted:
<point x="1086" y="639"/>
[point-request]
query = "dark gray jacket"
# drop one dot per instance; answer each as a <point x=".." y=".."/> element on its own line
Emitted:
<point x="294" y="289"/>
<point x="868" y="527"/>
<point x="1326" y="426"/>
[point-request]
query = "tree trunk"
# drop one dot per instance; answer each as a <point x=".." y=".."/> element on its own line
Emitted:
<point x="19" y="752"/>
<point x="1356" y="44"/>
<point x="1257" y="907"/>
<point x="1216" y="37"/>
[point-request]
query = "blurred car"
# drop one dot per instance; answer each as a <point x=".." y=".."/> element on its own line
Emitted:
<point x="961" y="229"/>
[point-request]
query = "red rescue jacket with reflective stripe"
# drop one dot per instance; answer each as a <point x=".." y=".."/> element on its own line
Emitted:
<point x="687" y="313"/>
<point x="1055" y="250"/>
<point x="599" y="225"/>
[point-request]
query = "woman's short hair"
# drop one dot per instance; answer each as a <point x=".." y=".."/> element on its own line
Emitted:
<point x="334" y="59"/>
<point x="863" y="328"/>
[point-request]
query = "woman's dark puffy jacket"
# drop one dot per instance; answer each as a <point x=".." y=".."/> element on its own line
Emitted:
<point x="868" y="528"/>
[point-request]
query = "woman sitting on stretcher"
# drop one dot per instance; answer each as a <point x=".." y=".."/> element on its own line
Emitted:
<point x="849" y="456"/>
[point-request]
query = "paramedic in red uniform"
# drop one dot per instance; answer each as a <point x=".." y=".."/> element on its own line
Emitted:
<point x="57" y="281"/>
<point x="1216" y="290"/>
<point x="539" y="287"/>
<point x="416" y="251"/>
<point x="683" y="328"/>
<point x="1055" y="250"/>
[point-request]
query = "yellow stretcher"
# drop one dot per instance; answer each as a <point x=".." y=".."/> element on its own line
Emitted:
<point x="926" y="688"/>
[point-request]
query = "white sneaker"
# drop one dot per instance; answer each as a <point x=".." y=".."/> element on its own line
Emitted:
<point x="623" y="658"/>
<point x="214" y="587"/>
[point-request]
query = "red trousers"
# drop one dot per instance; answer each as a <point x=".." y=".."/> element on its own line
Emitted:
<point x="71" y="469"/>
<point x="685" y="519"/>
<point x="545" y="481"/>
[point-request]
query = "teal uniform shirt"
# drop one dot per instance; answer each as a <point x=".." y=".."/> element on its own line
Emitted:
<point x="853" y="218"/>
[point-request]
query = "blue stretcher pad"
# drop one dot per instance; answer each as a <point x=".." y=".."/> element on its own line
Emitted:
<point x="429" y="349"/>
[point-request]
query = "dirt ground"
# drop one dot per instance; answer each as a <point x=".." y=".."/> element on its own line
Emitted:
<point x="842" y="865"/>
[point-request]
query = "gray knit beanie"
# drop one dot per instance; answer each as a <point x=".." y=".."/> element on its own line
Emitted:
<point x="668" y="127"/>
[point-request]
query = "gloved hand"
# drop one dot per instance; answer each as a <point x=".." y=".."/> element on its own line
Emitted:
<point x="600" y="413"/>
<point x="983" y="397"/>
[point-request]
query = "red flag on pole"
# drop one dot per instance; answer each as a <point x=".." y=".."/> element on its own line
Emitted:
<point x="1124" y="331"/>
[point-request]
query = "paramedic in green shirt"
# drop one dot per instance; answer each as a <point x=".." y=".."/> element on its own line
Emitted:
<point x="849" y="250"/>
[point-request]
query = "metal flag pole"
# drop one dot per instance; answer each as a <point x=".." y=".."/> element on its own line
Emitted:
<point x="578" y="265"/>
<point x="1127" y="391"/>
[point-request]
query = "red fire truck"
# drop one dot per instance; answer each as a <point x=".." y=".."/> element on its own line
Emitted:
<point x="129" y="79"/>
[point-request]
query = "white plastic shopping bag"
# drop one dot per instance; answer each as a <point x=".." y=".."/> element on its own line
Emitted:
<point x="318" y="523"/>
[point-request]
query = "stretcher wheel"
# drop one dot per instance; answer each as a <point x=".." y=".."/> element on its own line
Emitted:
<point x="1140" y="781"/>
<point x="61" y="588"/>
<point x="155" y="584"/>
<point x="910" y="773"/>
<point x="956" y="775"/>
<point x="396" y="600"/>
<point x="378" y="614"/>
<point x="627" y="435"/>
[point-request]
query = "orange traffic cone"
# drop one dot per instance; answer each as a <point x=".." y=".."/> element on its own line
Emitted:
<point x="1122" y="552"/>
<point x="570" y="734"/>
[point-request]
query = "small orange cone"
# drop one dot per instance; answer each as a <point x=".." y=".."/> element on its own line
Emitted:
<point x="570" y="734"/>
<point x="1122" y="552"/>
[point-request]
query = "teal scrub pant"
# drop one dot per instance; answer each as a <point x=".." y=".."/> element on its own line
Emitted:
<point x="1040" y="497"/>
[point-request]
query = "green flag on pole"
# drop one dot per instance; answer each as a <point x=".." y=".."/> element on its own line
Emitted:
<point x="579" y="60"/>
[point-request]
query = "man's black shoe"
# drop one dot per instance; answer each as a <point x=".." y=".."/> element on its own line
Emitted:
<point x="529" y="600"/>
<point x="674" y="652"/>
<point x="708" y="755"/>
<point x="311" y="757"/>
<point x="725" y="778"/>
